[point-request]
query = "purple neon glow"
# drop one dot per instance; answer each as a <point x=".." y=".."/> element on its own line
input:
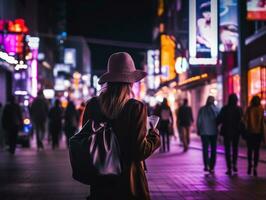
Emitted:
<point x="34" y="76"/>
<point x="13" y="43"/>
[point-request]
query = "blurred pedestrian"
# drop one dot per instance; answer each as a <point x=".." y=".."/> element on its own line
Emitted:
<point x="12" y="122"/>
<point x="184" y="120"/>
<point x="2" y="133"/>
<point x="128" y="117"/>
<point x="165" y="124"/>
<point x="39" y="113"/>
<point x="177" y="125"/>
<point x="207" y="129"/>
<point x="71" y="120"/>
<point x="230" y="118"/>
<point x="254" y="120"/>
<point x="55" y="123"/>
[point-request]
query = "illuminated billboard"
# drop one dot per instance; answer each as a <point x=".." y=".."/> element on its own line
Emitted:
<point x="168" y="46"/>
<point x="228" y="25"/>
<point x="203" y="32"/>
<point x="256" y="9"/>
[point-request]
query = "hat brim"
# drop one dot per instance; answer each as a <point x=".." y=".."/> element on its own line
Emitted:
<point x="131" y="77"/>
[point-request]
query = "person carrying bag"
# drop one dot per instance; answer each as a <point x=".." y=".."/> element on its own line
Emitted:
<point x="114" y="141"/>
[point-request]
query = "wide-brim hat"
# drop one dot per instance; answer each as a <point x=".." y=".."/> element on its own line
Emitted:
<point x="121" y="68"/>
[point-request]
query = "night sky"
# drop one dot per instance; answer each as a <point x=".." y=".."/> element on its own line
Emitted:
<point x="123" y="20"/>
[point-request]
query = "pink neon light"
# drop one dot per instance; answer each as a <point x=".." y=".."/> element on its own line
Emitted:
<point x="13" y="43"/>
<point x="34" y="76"/>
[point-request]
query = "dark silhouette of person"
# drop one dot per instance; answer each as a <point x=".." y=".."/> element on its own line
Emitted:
<point x="165" y="123"/>
<point x="254" y="119"/>
<point x="230" y="118"/>
<point x="12" y="122"/>
<point x="71" y="120"/>
<point x="55" y="123"/>
<point x="39" y="113"/>
<point x="207" y="129"/>
<point x="184" y="120"/>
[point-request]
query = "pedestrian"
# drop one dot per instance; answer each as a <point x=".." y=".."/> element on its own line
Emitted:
<point x="128" y="118"/>
<point x="207" y="130"/>
<point x="165" y="124"/>
<point x="39" y="113"/>
<point x="184" y="120"/>
<point x="71" y="120"/>
<point x="55" y="123"/>
<point x="2" y="133"/>
<point x="254" y="120"/>
<point x="12" y="122"/>
<point x="181" y="142"/>
<point x="230" y="117"/>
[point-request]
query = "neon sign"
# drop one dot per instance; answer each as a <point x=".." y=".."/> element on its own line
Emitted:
<point x="17" y="26"/>
<point x="168" y="57"/>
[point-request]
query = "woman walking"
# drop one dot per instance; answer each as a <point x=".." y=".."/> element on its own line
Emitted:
<point x="165" y="124"/>
<point x="128" y="119"/>
<point x="255" y="127"/>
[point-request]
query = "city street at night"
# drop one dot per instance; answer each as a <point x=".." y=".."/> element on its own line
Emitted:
<point x="132" y="100"/>
<point x="172" y="176"/>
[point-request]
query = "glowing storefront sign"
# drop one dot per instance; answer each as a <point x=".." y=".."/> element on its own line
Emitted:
<point x="17" y="26"/>
<point x="167" y="57"/>
<point x="257" y="83"/>
<point x="192" y="79"/>
<point x="33" y="43"/>
<point x="256" y="10"/>
<point x="34" y="76"/>
<point x="12" y="38"/>
<point x="203" y="32"/>
<point x="234" y="85"/>
<point x="13" y="43"/>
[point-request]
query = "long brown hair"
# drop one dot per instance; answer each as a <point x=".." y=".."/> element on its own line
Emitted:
<point x="113" y="98"/>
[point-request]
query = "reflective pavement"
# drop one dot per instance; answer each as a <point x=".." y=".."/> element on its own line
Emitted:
<point x="176" y="175"/>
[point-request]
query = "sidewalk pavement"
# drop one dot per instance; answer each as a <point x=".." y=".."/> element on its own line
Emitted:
<point x="176" y="175"/>
<point x="195" y="143"/>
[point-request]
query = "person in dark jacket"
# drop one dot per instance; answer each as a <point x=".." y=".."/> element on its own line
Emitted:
<point x="12" y="121"/>
<point x="165" y="124"/>
<point x="254" y="120"/>
<point x="39" y="113"/>
<point x="184" y="120"/>
<point x="128" y="118"/>
<point x="230" y="118"/>
<point x="71" y="120"/>
<point x="55" y="123"/>
<point x="207" y="130"/>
